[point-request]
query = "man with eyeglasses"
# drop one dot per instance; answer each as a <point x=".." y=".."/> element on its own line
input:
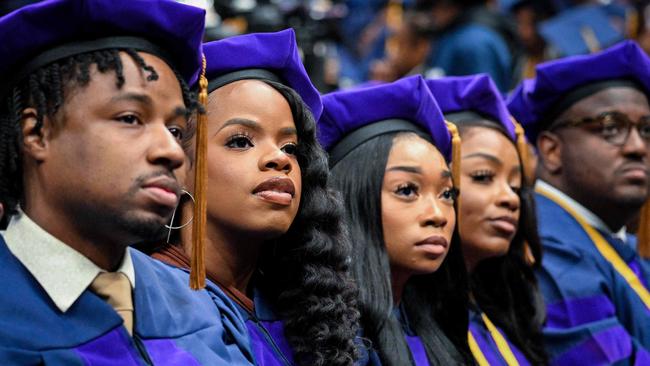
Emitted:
<point x="589" y="117"/>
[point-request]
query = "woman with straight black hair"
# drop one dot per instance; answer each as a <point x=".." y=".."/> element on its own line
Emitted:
<point x="389" y="148"/>
<point x="275" y="240"/>
<point x="498" y="227"/>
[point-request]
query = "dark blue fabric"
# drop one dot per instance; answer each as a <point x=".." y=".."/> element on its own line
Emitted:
<point x="270" y="346"/>
<point x="266" y="333"/>
<point x="186" y="323"/>
<point x="588" y="300"/>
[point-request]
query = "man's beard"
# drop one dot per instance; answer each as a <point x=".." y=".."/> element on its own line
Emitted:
<point x="142" y="229"/>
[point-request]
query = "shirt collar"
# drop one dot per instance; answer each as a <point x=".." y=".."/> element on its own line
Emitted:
<point x="590" y="217"/>
<point x="63" y="272"/>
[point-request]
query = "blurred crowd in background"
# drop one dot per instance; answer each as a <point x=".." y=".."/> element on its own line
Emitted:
<point x="349" y="42"/>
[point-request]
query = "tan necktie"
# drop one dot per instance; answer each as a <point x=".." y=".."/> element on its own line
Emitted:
<point x="115" y="289"/>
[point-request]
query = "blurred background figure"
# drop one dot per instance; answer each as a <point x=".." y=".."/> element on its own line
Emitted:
<point x="469" y="37"/>
<point x="445" y="37"/>
<point x="527" y="14"/>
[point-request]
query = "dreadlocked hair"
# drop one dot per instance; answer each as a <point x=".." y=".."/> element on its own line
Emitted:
<point x="45" y="90"/>
<point x="305" y="272"/>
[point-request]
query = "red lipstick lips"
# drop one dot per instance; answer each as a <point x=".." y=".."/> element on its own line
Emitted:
<point x="278" y="190"/>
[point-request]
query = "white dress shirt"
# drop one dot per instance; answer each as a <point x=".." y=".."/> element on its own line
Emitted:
<point x="63" y="272"/>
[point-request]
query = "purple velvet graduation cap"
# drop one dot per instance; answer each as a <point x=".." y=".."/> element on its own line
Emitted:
<point x="351" y="117"/>
<point x="471" y="97"/>
<point x="476" y="97"/>
<point x="42" y="33"/>
<point x="265" y="56"/>
<point x="561" y="83"/>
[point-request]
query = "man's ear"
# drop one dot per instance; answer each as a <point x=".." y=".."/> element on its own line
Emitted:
<point x="549" y="147"/>
<point x="35" y="134"/>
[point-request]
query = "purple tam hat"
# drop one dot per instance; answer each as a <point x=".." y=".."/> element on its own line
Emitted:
<point x="351" y="117"/>
<point x="263" y="56"/>
<point x="561" y="83"/>
<point x="39" y="34"/>
<point x="472" y="97"/>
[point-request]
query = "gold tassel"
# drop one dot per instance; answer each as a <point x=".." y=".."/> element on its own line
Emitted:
<point x="522" y="149"/>
<point x="455" y="153"/>
<point x="197" y="261"/>
<point x="455" y="164"/>
<point x="643" y="232"/>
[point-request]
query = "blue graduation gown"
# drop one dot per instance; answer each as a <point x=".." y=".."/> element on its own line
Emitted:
<point x="487" y="345"/>
<point x="268" y="342"/>
<point x="418" y="353"/>
<point x="266" y="333"/>
<point x="173" y="325"/>
<point x="593" y="315"/>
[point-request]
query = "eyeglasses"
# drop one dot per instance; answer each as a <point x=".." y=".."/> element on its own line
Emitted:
<point x="614" y="127"/>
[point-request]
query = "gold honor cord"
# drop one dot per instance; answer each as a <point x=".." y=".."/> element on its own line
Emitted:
<point x="603" y="247"/>
<point x="499" y="340"/>
<point x="476" y="350"/>
<point x="502" y="344"/>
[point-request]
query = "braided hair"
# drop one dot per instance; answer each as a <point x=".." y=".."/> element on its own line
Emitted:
<point x="45" y="90"/>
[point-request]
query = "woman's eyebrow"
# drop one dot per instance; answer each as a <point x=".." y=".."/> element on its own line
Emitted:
<point x="243" y="122"/>
<point x="404" y="168"/>
<point x="486" y="156"/>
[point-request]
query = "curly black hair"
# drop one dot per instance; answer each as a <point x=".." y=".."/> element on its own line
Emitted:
<point x="306" y="271"/>
<point x="45" y="90"/>
<point x="436" y="304"/>
<point x="505" y="287"/>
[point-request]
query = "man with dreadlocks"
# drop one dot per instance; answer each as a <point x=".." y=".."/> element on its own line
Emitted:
<point x="93" y="112"/>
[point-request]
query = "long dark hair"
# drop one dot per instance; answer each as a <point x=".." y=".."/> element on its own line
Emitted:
<point x="45" y="89"/>
<point x="505" y="287"/>
<point x="305" y="272"/>
<point x="435" y="303"/>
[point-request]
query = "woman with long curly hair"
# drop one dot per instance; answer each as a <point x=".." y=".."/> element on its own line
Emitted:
<point x="275" y="238"/>
<point x="498" y="227"/>
<point x="389" y="151"/>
